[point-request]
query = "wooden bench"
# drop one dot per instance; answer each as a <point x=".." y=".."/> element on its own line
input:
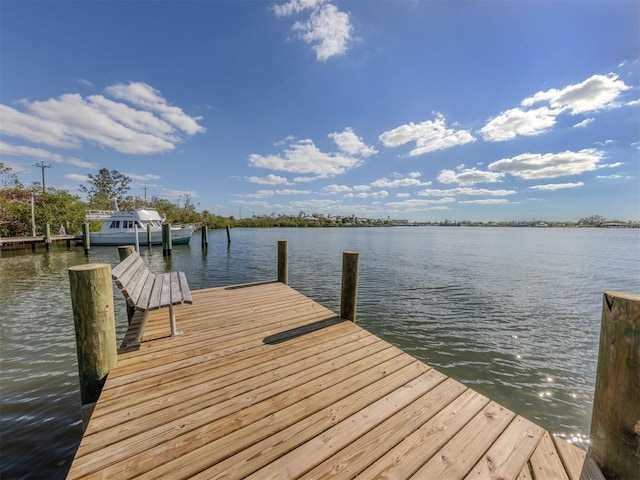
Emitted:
<point x="146" y="291"/>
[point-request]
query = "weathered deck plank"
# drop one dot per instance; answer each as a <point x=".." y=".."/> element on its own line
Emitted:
<point x="265" y="383"/>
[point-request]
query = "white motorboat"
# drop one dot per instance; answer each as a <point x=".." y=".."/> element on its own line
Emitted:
<point x="119" y="228"/>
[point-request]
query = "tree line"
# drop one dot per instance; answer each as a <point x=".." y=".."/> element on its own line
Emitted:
<point x="109" y="188"/>
<point x="60" y="208"/>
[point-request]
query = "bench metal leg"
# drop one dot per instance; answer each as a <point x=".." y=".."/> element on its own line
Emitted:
<point x="172" y="319"/>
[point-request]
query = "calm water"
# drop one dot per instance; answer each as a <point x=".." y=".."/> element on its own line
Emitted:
<point x="514" y="313"/>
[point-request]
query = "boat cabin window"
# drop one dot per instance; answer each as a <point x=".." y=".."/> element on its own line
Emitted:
<point x="115" y="224"/>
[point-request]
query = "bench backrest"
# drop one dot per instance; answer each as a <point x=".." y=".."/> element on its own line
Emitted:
<point x="130" y="276"/>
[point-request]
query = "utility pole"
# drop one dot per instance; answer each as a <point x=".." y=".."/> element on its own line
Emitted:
<point x="42" y="166"/>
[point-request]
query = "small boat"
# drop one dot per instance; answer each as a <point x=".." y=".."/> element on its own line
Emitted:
<point x="119" y="228"/>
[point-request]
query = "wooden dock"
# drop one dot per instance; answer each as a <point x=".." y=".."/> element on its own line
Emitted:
<point x="265" y="383"/>
<point x="38" y="239"/>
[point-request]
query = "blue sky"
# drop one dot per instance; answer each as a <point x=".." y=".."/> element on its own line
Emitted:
<point x="422" y="110"/>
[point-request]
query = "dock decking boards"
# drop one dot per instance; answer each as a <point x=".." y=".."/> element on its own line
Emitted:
<point x="265" y="383"/>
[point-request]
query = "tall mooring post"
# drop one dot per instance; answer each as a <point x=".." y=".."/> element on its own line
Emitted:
<point x="228" y="236"/>
<point x="615" y="423"/>
<point x="349" y="291"/>
<point x="204" y="239"/>
<point x="166" y="240"/>
<point x="95" y="327"/>
<point x="283" y="262"/>
<point x="47" y="236"/>
<point x="86" y="238"/>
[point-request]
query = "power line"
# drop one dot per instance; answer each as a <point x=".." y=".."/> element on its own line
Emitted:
<point x="42" y="166"/>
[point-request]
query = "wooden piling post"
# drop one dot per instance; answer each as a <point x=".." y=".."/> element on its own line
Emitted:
<point x="125" y="250"/>
<point x="166" y="240"/>
<point x="283" y="262"/>
<point x="47" y="236"/>
<point x="86" y="238"/>
<point x="94" y="320"/>
<point x="149" y="237"/>
<point x="228" y="235"/>
<point x="204" y="241"/>
<point x="349" y="292"/>
<point x="615" y="422"/>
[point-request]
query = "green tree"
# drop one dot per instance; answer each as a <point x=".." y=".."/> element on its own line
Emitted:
<point x="105" y="187"/>
<point x="56" y="207"/>
<point x="8" y="178"/>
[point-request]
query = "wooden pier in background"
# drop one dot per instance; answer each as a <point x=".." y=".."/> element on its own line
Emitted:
<point x="38" y="239"/>
<point x="266" y="383"/>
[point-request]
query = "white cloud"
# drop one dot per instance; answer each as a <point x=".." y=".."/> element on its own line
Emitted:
<point x="171" y="194"/>
<point x="350" y="143"/>
<point x="307" y="179"/>
<point x="305" y="158"/>
<point x="411" y="181"/>
<point x="452" y="192"/>
<point x="269" y="180"/>
<point x="328" y="30"/>
<point x="429" y="136"/>
<point x="469" y="176"/>
<point x="76" y="178"/>
<point x="71" y="120"/>
<point x="595" y="93"/>
<point x="420" y="203"/>
<point x="317" y="204"/>
<point x="403" y="195"/>
<point x="583" y="123"/>
<point x="336" y="189"/>
<point x="296" y="6"/>
<point x="380" y="194"/>
<point x="486" y="201"/>
<point x="532" y="166"/>
<point x="557" y="186"/>
<point x="85" y="82"/>
<point x="145" y="177"/>
<point x="24" y="151"/>
<point x="35" y="129"/>
<point x="614" y="177"/>
<point x="261" y="194"/>
<point x="516" y="122"/>
<point x="289" y="191"/>
<point x="147" y="97"/>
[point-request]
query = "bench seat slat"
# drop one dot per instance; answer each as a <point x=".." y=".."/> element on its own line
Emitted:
<point x="184" y="288"/>
<point x="165" y="292"/>
<point x="145" y="294"/>
<point x="134" y="293"/>
<point x="176" y="294"/>
<point x="156" y="292"/>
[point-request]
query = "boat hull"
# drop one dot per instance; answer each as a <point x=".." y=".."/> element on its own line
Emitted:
<point x="179" y="236"/>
